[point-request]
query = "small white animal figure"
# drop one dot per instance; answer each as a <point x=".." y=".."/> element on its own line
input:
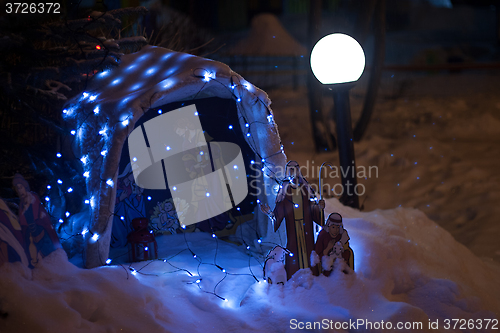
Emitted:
<point x="337" y="250"/>
<point x="335" y="253"/>
<point x="274" y="266"/>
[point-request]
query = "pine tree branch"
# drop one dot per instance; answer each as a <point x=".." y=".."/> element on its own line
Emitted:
<point x="119" y="13"/>
<point x="128" y="41"/>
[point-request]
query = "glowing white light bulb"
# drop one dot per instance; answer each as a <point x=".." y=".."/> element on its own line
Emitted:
<point x="110" y="182"/>
<point x="95" y="237"/>
<point x="47" y="199"/>
<point x="70" y="190"/>
<point x="337" y="58"/>
<point x="86" y="174"/>
<point x="58" y="155"/>
<point x="230" y="126"/>
<point x="125" y="122"/>
<point x="73" y="132"/>
<point x="104" y="152"/>
<point x="68" y="214"/>
<point x="108" y="261"/>
<point x="59" y="181"/>
<point x="92" y="98"/>
<point x="61" y="221"/>
<point x="84" y="232"/>
<point x="96" y="110"/>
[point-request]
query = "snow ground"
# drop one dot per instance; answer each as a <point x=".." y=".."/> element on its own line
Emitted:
<point x="408" y="270"/>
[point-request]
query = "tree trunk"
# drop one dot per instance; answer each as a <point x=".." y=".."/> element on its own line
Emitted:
<point x="322" y="138"/>
<point x="376" y="72"/>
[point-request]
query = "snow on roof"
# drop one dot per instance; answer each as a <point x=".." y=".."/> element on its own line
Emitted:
<point x="156" y="76"/>
<point x="104" y="115"/>
<point x="268" y="38"/>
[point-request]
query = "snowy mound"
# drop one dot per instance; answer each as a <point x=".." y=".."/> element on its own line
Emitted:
<point x="268" y="38"/>
<point x="408" y="270"/>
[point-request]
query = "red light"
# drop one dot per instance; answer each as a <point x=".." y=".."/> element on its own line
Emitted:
<point x="98" y="47"/>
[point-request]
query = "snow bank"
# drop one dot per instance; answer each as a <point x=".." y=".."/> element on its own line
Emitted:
<point x="268" y="37"/>
<point x="436" y="150"/>
<point x="59" y="297"/>
<point x="408" y="269"/>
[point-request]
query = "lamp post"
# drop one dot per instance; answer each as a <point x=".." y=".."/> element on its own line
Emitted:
<point x="337" y="61"/>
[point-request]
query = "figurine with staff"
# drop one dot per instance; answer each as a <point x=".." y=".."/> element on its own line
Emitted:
<point x="296" y="203"/>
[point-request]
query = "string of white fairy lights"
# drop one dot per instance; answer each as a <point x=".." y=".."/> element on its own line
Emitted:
<point x="90" y="119"/>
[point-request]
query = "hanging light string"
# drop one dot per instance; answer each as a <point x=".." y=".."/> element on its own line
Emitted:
<point x="100" y="159"/>
<point x="208" y="76"/>
<point x="92" y="114"/>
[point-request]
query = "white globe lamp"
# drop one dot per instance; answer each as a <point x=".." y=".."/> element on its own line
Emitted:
<point x="337" y="61"/>
<point x="337" y="58"/>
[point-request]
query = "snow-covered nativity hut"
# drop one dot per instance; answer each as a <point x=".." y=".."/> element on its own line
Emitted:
<point x="134" y="98"/>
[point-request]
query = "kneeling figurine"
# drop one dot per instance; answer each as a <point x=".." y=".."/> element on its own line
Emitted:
<point x="332" y="244"/>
